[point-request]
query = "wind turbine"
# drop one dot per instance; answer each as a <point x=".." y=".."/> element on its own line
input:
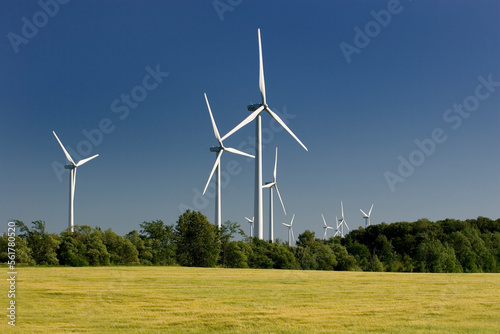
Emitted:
<point x="219" y="149"/>
<point x="251" y="226"/>
<point x="290" y="231"/>
<point x="342" y="222"/>
<point x="367" y="216"/>
<point x="256" y="110"/>
<point x="72" y="180"/>
<point x="326" y="228"/>
<point x="270" y="185"/>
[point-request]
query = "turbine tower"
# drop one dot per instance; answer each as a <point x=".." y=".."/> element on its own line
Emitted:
<point x="251" y="226"/>
<point x="290" y="231"/>
<point x="367" y="216"/>
<point x="256" y="110"/>
<point x="72" y="180"/>
<point x="326" y="228"/>
<point x="342" y="222"/>
<point x="270" y="185"/>
<point x="219" y="149"/>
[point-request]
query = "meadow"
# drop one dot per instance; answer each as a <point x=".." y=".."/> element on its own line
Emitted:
<point x="216" y="300"/>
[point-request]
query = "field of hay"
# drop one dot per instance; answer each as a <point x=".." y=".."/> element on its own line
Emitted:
<point x="216" y="300"/>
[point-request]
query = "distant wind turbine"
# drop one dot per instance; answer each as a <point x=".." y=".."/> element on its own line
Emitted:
<point x="342" y="222"/>
<point x="72" y="179"/>
<point x="219" y="149"/>
<point x="326" y="228"/>
<point x="274" y="185"/>
<point x="290" y="231"/>
<point x="256" y="110"/>
<point x="251" y="226"/>
<point x="367" y="216"/>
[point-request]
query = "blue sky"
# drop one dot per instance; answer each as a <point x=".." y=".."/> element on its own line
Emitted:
<point x="360" y="115"/>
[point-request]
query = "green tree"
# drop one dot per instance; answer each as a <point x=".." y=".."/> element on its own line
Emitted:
<point x="21" y="248"/>
<point x="345" y="261"/>
<point x="433" y="256"/>
<point x="463" y="251"/>
<point x="72" y="251"/>
<point x="375" y="264"/>
<point x="281" y="256"/>
<point x="306" y="239"/>
<point x="361" y="253"/>
<point x="315" y="254"/>
<point x="83" y="247"/>
<point x="227" y="233"/>
<point x="198" y="241"/>
<point x="42" y="244"/>
<point x="121" y="250"/>
<point x="259" y="257"/>
<point x="237" y="254"/>
<point x="161" y="242"/>
<point x="142" y="245"/>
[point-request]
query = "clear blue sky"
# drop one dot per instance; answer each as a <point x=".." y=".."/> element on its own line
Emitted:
<point x="70" y="69"/>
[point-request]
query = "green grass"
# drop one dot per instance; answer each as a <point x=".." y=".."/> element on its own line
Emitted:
<point x="210" y="300"/>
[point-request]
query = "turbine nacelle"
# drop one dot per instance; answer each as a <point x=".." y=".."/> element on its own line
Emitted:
<point x="216" y="148"/>
<point x="253" y="107"/>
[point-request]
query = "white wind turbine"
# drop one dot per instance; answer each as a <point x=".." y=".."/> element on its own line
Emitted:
<point x="367" y="216"/>
<point x="72" y="180"/>
<point x="342" y="222"/>
<point x="290" y="231"/>
<point x="219" y="149"/>
<point x="251" y="226"/>
<point x="270" y="185"/>
<point x="326" y="228"/>
<point x="256" y="110"/>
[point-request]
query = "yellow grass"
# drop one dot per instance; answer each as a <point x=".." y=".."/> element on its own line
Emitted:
<point x="201" y="300"/>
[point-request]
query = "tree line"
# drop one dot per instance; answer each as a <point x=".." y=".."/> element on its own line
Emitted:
<point x="447" y="246"/>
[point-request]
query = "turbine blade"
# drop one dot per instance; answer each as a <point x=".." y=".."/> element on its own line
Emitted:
<point x="369" y="213"/>
<point x="324" y="221"/>
<point x="278" y="119"/>
<point x="291" y="230"/>
<point x="81" y="162"/>
<point x="292" y="219"/>
<point x="262" y="84"/>
<point x="279" y="196"/>
<point x="249" y="220"/>
<point x="235" y="151"/>
<point x="216" y="132"/>
<point x="337" y="221"/>
<point x="275" y="164"/>
<point x="216" y="164"/>
<point x="65" y="152"/>
<point x="342" y="205"/>
<point x="244" y="122"/>
<point x="269" y="185"/>
<point x="363" y="213"/>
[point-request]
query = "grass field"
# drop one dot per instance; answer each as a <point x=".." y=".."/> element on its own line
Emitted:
<point x="202" y="300"/>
